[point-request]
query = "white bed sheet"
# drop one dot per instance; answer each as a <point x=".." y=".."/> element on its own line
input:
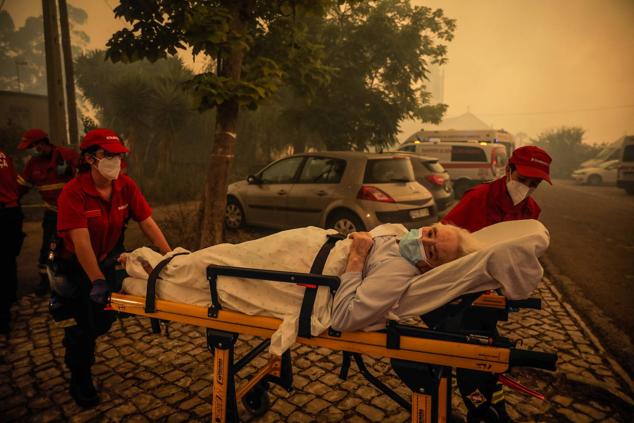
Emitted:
<point x="508" y="261"/>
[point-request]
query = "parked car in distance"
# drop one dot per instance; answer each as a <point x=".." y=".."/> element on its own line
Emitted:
<point x="598" y="174"/>
<point x="432" y="175"/>
<point x="348" y="191"/>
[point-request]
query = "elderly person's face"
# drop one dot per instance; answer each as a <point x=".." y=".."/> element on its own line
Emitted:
<point x="441" y="245"/>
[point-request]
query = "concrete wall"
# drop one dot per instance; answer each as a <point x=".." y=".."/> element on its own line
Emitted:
<point x="23" y="110"/>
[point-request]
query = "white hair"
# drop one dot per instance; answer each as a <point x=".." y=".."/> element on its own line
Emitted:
<point x="467" y="243"/>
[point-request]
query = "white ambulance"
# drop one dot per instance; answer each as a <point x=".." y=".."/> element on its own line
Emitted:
<point x="493" y="136"/>
<point x="469" y="163"/>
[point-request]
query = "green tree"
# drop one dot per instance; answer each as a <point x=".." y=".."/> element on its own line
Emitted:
<point x="225" y="31"/>
<point x="145" y="103"/>
<point x="381" y="51"/>
<point x="566" y="147"/>
<point x="24" y="48"/>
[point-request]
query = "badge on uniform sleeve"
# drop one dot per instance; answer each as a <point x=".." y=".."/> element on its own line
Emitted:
<point x="92" y="213"/>
<point x="476" y="398"/>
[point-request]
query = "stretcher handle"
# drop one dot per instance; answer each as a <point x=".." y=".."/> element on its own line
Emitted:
<point x="275" y="275"/>
<point x="536" y="359"/>
<point x="534" y="303"/>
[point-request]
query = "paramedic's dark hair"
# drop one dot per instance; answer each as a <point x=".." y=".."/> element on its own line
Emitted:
<point x="83" y="165"/>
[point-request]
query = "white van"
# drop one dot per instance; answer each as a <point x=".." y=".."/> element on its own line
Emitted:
<point x="625" y="175"/>
<point x="491" y="136"/>
<point x="468" y="163"/>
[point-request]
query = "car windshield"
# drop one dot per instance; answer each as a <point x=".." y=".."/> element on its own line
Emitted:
<point x="468" y="154"/>
<point x="608" y="164"/>
<point x="628" y="153"/>
<point x="388" y="170"/>
<point x="408" y="147"/>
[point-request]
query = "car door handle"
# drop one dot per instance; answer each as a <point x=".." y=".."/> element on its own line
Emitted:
<point x="281" y="192"/>
<point x="321" y="193"/>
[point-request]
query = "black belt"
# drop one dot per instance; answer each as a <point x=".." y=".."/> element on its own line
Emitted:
<point x="311" y="292"/>
<point x="304" y="279"/>
<point x="150" y="295"/>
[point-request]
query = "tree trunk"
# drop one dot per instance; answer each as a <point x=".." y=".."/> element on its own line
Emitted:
<point x="71" y="102"/>
<point x="299" y="143"/>
<point x="223" y="150"/>
<point x="54" y="75"/>
<point x="165" y="153"/>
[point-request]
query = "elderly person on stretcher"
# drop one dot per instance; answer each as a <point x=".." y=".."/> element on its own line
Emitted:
<point x="388" y="273"/>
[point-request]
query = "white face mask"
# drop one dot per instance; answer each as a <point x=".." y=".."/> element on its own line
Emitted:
<point x="517" y="190"/>
<point x="109" y="167"/>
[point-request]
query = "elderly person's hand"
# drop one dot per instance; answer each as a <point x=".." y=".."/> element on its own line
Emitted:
<point x="123" y="258"/>
<point x="362" y="243"/>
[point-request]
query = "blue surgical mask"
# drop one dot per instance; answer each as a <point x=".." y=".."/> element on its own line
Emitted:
<point x="34" y="152"/>
<point x="411" y="247"/>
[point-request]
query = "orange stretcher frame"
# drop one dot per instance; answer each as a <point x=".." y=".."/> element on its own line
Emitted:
<point x="443" y="353"/>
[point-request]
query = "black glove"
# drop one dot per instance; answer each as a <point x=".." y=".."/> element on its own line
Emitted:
<point x="100" y="292"/>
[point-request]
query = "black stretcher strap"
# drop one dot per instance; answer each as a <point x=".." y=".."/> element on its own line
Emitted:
<point x="311" y="281"/>
<point x="150" y="295"/>
<point x="311" y="292"/>
<point x="215" y="300"/>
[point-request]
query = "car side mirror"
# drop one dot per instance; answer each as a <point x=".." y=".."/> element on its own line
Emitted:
<point x="252" y="179"/>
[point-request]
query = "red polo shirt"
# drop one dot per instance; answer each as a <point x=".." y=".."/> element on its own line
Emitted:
<point x="81" y="206"/>
<point x="8" y="182"/>
<point x="41" y="172"/>
<point x="487" y="204"/>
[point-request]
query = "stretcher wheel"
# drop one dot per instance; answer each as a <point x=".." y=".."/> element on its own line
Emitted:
<point x="257" y="401"/>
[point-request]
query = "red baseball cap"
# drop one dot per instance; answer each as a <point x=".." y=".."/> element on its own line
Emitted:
<point x="532" y="162"/>
<point x="104" y="138"/>
<point x="31" y="136"/>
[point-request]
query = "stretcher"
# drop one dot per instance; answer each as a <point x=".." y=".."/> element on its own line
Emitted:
<point x="422" y="358"/>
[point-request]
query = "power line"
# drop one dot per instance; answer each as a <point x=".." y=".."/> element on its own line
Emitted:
<point x="554" y="112"/>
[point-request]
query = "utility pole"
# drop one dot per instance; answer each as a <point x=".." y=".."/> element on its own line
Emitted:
<point x="54" y="75"/>
<point x="71" y="104"/>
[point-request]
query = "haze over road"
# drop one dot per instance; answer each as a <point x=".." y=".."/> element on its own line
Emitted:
<point x="592" y="243"/>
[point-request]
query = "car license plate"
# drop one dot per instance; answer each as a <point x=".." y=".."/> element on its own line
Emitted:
<point x="417" y="214"/>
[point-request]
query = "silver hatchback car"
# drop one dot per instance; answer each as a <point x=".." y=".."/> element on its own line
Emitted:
<point x="348" y="191"/>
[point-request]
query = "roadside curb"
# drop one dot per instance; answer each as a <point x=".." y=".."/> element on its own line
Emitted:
<point x="554" y="279"/>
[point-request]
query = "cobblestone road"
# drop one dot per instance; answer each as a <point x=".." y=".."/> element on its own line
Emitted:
<point x="145" y="377"/>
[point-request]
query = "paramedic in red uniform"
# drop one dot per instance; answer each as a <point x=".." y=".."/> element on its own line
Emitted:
<point x="93" y="209"/>
<point x="12" y="236"/>
<point x="48" y="169"/>
<point x="507" y="198"/>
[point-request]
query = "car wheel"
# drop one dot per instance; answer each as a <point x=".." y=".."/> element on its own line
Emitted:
<point x="345" y="222"/>
<point x="234" y="215"/>
<point x="594" y="180"/>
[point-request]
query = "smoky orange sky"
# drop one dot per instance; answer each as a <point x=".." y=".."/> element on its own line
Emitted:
<point x="522" y="65"/>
